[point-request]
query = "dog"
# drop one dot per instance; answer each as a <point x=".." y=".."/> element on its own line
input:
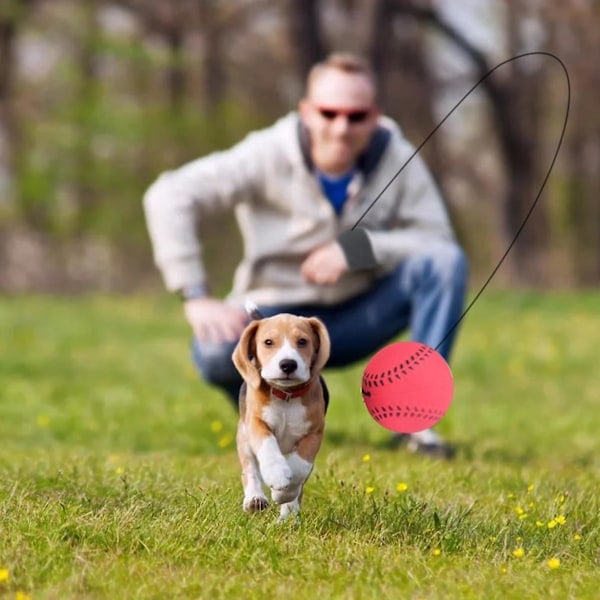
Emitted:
<point x="282" y="407"/>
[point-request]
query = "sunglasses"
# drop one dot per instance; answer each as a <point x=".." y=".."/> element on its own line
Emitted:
<point x="353" y="115"/>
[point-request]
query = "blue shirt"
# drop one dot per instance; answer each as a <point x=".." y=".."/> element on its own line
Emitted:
<point x="335" y="188"/>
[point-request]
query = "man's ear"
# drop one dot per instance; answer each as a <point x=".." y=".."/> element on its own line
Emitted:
<point x="305" y="110"/>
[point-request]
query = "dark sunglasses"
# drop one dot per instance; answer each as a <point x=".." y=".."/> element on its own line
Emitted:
<point x="353" y="116"/>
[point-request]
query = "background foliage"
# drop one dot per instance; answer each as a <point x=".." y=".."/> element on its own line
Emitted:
<point x="97" y="98"/>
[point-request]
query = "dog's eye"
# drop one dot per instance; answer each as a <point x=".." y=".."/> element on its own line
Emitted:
<point x="268" y="342"/>
<point x="302" y="342"/>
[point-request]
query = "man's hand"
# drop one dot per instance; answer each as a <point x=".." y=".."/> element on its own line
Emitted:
<point x="213" y="320"/>
<point x="325" y="265"/>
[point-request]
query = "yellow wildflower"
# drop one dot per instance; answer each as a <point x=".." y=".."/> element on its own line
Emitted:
<point x="519" y="552"/>
<point x="216" y="426"/>
<point x="43" y="421"/>
<point x="539" y="523"/>
<point x="530" y="488"/>
<point x="519" y="510"/>
<point x="366" y="458"/>
<point x="401" y="487"/>
<point x="22" y="596"/>
<point x="553" y="563"/>
<point x="436" y="552"/>
<point x="225" y="440"/>
<point x="119" y="470"/>
<point x="561" y="519"/>
<point x="576" y="537"/>
<point x="369" y="489"/>
<point x="4" y="575"/>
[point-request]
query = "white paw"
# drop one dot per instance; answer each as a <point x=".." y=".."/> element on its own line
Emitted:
<point x="277" y="475"/>
<point x="289" y="509"/>
<point x="286" y="495"/>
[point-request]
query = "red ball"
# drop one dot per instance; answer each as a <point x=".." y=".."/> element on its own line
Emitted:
<point x="407" y="387"/>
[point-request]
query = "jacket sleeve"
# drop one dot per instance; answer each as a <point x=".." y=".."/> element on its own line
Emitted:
<point x="177" y="199"/>
<point x="412" y="216"/>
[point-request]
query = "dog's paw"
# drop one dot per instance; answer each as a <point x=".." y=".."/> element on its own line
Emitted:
<point x="286" y="495"/>
<point x="277" y="476"/>
<point x="255" y="504"/>
<point x="289" y="509"/>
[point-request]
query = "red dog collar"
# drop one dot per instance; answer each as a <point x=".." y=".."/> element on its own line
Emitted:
<point x="292" y="393"/>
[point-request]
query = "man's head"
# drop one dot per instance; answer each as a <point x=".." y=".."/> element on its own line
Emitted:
<point x="340" y="111"/>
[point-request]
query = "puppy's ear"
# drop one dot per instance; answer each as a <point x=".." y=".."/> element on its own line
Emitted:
<point x="244" y="356"/>
<point x="323" y="344"/>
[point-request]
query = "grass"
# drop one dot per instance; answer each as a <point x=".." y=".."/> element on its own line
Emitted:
<point x="118" y="474"/>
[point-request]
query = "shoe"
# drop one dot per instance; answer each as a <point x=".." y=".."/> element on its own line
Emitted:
<point x="426" y="442"/>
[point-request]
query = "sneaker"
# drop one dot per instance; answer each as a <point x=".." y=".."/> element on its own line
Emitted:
<point x="426" y="442"/>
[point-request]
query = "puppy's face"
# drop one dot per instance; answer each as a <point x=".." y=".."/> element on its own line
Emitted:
<point x="283" y="350"/>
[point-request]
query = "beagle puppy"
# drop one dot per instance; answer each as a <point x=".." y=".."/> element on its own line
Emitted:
<point x="283" y="401"/>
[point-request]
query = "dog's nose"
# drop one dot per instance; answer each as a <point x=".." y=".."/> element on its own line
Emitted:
<point x="287" y="365"/>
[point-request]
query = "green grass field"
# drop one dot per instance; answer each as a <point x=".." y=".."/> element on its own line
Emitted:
<point x="119" y="479"/>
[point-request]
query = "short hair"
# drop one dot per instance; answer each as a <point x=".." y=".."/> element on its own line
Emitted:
<point x="347" y="62"/>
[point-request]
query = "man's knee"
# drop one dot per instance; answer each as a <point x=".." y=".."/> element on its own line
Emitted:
<point x="445" y="263"/>
<point x="449" y="258"/>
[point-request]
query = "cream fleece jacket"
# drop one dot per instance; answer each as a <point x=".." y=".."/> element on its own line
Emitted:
<point x="283" y="215"/>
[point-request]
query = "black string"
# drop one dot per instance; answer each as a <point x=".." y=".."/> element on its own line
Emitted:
<point x="531" y="208"/>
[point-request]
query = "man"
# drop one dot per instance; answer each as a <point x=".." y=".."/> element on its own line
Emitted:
<point x="315" y="242"/>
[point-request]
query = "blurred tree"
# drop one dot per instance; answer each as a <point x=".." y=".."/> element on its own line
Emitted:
<point x="306" y="34"/>
<point x="214" y="78"/>
<point x="399" y="51"/>
<point x="13" y="14"/>
<point x="170" y="20"/>
<point x="85" y="192"/>
<point x="123" y="89"/>
<point x="514" y="94"/>
<point x="573" y="33"/>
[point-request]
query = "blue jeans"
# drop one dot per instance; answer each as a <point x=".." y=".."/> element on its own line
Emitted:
<point x="424" y="294"/>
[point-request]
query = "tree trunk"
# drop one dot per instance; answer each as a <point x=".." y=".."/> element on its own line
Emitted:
<point x="213" y="76"/>
<point x="306" y="34"/>
<point x="83" y="158"/>
<point x="9" y="136"/>
<point x="515" y="103"/>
